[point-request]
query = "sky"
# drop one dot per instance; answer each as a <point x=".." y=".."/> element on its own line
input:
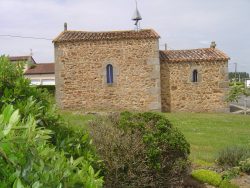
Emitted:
<point x="182" y="24"/>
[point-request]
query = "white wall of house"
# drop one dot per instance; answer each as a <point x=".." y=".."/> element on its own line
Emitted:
<point x="41" y="79"/>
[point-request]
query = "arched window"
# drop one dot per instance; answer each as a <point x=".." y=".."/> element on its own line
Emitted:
<point x="109" y="74"/>
<point x="195" y="76"/>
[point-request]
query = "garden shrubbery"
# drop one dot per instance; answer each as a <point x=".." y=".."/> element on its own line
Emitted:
<point x="140" y="150"/>
<point x="37" y="148"/>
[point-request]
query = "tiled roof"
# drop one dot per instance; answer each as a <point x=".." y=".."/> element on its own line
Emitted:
<point x="46" y="68"/>
<point x="202" y="54"/>
<point x="70" y="36"/>
<point x="21" y="58"/>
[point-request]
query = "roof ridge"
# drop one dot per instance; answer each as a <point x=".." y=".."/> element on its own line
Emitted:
<point x="115" y="31"/>
<point x="71" y="35"/>
<point x="192" y="49"/>
<point x="199" y="54"/>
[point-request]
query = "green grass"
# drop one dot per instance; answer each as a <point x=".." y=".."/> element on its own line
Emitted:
<point x="207" y="133"/>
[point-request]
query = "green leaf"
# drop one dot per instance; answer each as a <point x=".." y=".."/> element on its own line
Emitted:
<point x="12" y="122"/>
<point x="37" y="185"/>
<point x="17" y="184"/>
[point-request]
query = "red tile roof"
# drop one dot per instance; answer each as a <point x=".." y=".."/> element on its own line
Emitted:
<point x="21" y="58"/>
<point x="46" y="68"/>
<point x="69" y="36"/>
<point x="202" y="54"/>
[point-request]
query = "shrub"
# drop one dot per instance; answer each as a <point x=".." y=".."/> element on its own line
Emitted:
<point x="245" y="166"/>
<point x="207" y="176"/>
<point x="36" y="102"/>
<point x="140" y="150"/>
<point x="28" y="160"/>
<point x="231" y="156"/>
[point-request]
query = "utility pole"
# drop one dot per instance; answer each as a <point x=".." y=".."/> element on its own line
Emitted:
<point x="235" y="71"/>
<point x="245" y="98"/>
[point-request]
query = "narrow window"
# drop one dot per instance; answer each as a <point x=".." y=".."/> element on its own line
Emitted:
<point x="109" y="72"/>
<point x="195" y="76"/>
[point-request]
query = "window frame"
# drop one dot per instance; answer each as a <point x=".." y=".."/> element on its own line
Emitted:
<point x="195" y="76"/>
<point x="109" y="74"/>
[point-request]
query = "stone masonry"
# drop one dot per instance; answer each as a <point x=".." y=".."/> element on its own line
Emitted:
<point x="179" y="93"/>
<point x="81" y="74"/>
<point x="145" y="78"/>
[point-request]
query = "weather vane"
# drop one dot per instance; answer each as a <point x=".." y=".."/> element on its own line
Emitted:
<point x="137" y="17"/>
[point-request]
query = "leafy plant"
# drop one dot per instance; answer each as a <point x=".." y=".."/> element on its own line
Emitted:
<point x="236" y="91"/>
<point x="28" y="160"/>
<point x="68" y="144"/>
<point x="207" y="176"/>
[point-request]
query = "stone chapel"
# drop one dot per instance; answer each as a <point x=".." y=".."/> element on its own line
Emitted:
<point x="125" y="70"/>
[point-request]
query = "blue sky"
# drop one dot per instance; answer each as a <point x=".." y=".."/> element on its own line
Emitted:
<point x="182" y="24"/>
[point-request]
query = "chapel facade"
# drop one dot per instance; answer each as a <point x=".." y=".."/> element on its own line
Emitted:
<point x="125" y="70"/>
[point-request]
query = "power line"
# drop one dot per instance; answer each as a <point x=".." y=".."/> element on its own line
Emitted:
<point x="26" y="37"/>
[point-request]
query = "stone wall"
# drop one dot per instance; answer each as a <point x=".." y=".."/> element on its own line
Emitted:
<point x="81" y="75"/>
<point x="179" y="93"/>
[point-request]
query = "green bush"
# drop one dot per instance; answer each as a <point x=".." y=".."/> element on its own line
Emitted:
<point x="140" y="150"/>
<point x="245" y="166"/>
<point x="231" y="156"/>
<point x="27" y="159"/>
<point x="35" y="101"/>
<point x="207" y="176"/>
<point x="15" y="90"/>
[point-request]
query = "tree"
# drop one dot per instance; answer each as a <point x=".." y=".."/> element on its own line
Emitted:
<point x="237" y="90"/>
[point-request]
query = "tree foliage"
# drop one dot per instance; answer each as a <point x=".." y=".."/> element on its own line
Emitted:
<point x="236" y="91"/>
<point x="237" y="75"/>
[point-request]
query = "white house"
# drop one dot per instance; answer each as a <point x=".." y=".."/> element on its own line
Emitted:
<point x="39" y="74"/>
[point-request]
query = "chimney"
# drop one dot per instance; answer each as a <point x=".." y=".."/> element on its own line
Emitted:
<point x="65" y="26"/>
<point x="213" y="44"/>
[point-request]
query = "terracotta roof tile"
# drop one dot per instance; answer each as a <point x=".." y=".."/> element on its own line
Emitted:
<point x="202" y="54"/>
<point x="46" y="68"/>
<point x="69" y="36"/>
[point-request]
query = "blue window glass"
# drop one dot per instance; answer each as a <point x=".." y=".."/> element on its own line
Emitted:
<point x="195" y="76"/>
<point x="109" y="72"/>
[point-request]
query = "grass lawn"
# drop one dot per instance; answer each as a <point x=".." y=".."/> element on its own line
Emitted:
<point x="207" y="133"/>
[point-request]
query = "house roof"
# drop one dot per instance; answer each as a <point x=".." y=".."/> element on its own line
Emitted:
<point x="202" y="54"/>
<point x="21" y="58"/>
<point x="45" y="68"/>
<point x="70" y="36"/>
